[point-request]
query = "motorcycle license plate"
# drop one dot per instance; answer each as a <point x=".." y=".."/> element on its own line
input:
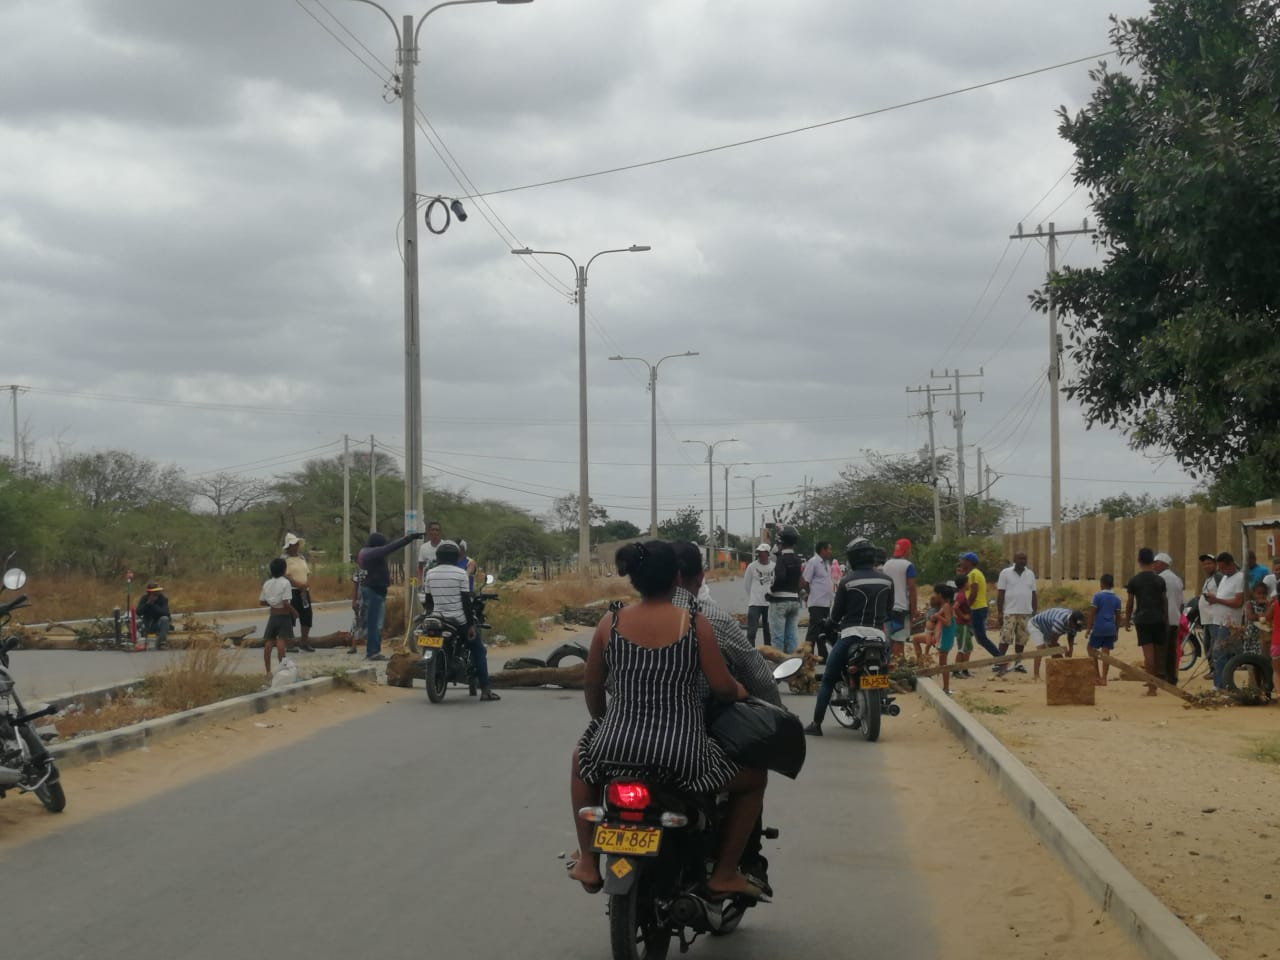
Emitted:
<point x="632" y="841"/>
<point x="874" y="683"/>
<point x="425" y="641"/>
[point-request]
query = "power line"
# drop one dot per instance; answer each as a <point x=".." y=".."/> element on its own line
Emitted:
<point x="805" y="129"/>
<point x="1045" y="476"/>
<point x="1027" y="216"/>
<point x="325" y="27"/>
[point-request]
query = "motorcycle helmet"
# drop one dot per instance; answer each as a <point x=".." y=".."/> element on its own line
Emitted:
<point x="860" y="552"/>
<point x="788" y="536"/>
<point x="447" y="552"/>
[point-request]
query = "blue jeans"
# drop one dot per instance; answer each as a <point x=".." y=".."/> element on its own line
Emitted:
<point x="836" y="669"/>
<point x="375" y="609"/>
<point x="980" y="631"/>
<point x="784" y="618"/>
<point x="1218" y="653"/>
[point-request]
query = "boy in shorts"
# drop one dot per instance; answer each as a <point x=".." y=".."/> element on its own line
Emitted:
<point x="276" y="596"/>
<point x="1104" y="624"/>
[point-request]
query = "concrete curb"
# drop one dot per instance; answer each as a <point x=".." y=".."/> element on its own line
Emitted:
<point x="1147" y="921"/>
<point x="93" y="698"/>
<point x="99" y="746"/>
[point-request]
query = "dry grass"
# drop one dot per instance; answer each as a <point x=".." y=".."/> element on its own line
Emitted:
<point x="545" y="598"/>
<point x="204" y="673"/>
<point x="77" y="597"/>
<point x="1264" y="751"/>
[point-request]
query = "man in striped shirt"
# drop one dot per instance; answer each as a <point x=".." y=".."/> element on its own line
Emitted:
<point x="1044" y="629"/>
<point x="447" y="593"/>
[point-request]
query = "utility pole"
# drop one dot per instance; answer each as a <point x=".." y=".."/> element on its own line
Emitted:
<point x="711" y="496"/>
<point x="1055" y="351"/>
<point x="989" y="482"/>
<point x="346" y="499"/>
<point x="982" y="489"/>
<point x="373" y="487"/>
<point x="755" y="521"/>
<point x="14" y="389"/>
<point x="957" y="417"/>
<point x="927" y="390"/>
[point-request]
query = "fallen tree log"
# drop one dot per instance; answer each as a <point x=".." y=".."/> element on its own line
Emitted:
<point x="992" y="661"/>
<point x="1139" y="674"/>
<point x="806" y="681"/>
<point x="570" y="678"/>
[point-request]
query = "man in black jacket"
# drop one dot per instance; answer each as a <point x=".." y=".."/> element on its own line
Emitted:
<point x="784" y="595"/>
<point x="372" y="558"/>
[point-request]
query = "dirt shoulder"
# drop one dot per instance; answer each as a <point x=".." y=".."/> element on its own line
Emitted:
<point x="995" y="890"/>
<point x="1171" y="790"/>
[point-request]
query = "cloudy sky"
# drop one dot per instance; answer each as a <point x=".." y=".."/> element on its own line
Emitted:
<point x="199" y="208"/>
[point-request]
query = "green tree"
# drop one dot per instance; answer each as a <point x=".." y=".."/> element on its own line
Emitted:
<point x="685" y="525"/>
<point x="1175" y="334"/>
<point x="619" y="530"/>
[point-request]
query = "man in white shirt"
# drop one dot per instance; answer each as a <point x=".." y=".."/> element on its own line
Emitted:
<point x="756" y="581"/>
<point x="1174" y="597"/>
<point x="427" y="552"/>
<point x="1272" y="578"/>
<point x="816" y="579"/>
<point x="902" y="572"/>
<point x="1226" y="600"/>
<point x="1016" y="602"/>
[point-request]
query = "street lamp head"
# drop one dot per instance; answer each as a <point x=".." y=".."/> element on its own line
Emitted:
<point x="618" y="357"/>
<point x="514" y="1"/>
<point x="523" y="251"/>
<point x="638" y="248"/>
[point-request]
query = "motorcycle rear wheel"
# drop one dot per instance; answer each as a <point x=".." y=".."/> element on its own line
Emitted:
<point x="634" y="933"/>
<point x="1190" y="652"/>
<point x="52" y="796"/>
<point x="869" y="703"/>
<point x="437" y="677"/>
<point x="843" y="710"/>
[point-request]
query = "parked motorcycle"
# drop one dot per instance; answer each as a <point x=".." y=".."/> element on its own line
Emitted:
<point x="862" y="696"/>
<point x="25" y="762"/>
<point x="659" y="846"/>
<point x="1195" y="644"/>
<point x="444" y="648"/>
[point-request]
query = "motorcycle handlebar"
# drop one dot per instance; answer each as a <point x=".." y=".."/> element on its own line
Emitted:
<point x="487" y="596"/>
<point x="14" y="604"/>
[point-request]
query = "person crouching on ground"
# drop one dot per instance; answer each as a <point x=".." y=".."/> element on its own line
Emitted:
<point x="1044" y="629"/>
<point x="153" y="615"/>
<point x="277" y="597"/>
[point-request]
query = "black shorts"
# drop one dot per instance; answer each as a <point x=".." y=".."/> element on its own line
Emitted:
<point x="1151" y="633"/>
<point x="303" y="609"/>
<point x="279" y="627"/>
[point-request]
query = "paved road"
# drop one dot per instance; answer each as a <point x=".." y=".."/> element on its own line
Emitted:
<point x="424" y="831"/>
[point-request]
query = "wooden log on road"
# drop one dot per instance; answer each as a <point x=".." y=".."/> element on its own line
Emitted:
<point x="1139" y="674"/>
<point x="570" y="678"/>
<point x="992" y="661"/>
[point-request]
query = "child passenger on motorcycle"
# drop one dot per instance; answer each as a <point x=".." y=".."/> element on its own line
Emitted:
<point x="651" y="654"/>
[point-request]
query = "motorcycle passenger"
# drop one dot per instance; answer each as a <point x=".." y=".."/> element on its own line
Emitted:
<point x="651" y="654"/>
<point x="784" y="595"/>
<point x="864" y="598"/>
<point x="447" y="593"/>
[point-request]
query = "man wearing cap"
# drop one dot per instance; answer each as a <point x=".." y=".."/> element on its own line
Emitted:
<point x="298" y="574"/>
<point x="1015" y="602"/>
<point x="1163" y="565"/>
<point x="756" y="581"/>
<point x="976" y="584"/>
<point x="815" y="579"/>
<point x="1226" y="600"/>
<point x="902" y="572"/>
<point x="153" y="615"/>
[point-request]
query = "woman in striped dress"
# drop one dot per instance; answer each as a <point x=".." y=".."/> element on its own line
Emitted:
<point x="652" y="724"/>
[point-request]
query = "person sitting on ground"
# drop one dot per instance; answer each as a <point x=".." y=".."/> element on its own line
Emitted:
<point x="277" y="597"/>
<point x="153" y="615"/>
<point x="1103" y="626"/>
<point x="446" y="591"/>
<point x="651" y="654"/>
<point x="1044" y="629"/>
<point x="864" y="598"/>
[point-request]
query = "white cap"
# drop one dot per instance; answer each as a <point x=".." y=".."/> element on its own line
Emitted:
<point x="1163" y="558"/>
<point x="290" y="539"/>
<point x="765" y="547"/>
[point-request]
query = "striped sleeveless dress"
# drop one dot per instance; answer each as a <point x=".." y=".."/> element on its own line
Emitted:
<point x="654" y="723"/>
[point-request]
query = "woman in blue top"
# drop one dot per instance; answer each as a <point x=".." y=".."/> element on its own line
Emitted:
<point x="1103" y="627"/>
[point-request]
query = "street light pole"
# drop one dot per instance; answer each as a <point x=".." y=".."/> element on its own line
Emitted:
<point x="653" y="431"/>
<point x="584" y="498"/>
<point x="406" y="59"/>
<point x="711" y="495"/>
<point x="755" y="528"/>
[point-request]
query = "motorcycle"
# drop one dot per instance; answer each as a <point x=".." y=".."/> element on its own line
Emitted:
<point x="25" y="762"/>
<point x="862" y="696"/>
<point x="444" y="648"/>
<point x="659" y="846"/>
<point x="1195" y="644"/>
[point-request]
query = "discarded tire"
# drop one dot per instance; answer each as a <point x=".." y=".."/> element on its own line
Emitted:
<point x="566" y="650"/>
<point x="524" y="663"/>
<point x="1256" y="662"/>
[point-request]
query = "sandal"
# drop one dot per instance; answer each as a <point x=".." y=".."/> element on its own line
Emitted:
<point x="752" y="892"/>
<point x="489" y="695"/>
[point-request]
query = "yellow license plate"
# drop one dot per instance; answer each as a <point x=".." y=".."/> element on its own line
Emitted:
<point x="873" y="683"/>
<point x="632" y="841"/>
<point x="425" y="641"/>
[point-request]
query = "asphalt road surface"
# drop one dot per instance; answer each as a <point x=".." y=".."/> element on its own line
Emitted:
<point x="421" y="831"/>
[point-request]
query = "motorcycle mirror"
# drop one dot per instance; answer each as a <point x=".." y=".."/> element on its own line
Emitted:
<point x="787" y="668"/>
<point x="489" y="579"/>
<point x="14" y="579"/>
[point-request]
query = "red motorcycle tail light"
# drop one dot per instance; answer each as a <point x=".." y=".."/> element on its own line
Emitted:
<point x="627" y="796"/>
